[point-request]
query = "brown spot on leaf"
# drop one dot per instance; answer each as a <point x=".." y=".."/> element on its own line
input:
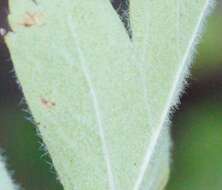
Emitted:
<point x="31" y="19"/>
<point x="47" y="103"/>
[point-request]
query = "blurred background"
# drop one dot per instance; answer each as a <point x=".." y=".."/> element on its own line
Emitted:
<point x="196" y="128"/>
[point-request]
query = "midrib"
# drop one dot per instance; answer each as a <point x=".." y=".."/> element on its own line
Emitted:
<point x="95" y="103"/>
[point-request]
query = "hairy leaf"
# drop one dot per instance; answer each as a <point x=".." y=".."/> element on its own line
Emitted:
<point x="164" y="35"/>
<point x="99" y="98"/>
<point x="82" y="84"/>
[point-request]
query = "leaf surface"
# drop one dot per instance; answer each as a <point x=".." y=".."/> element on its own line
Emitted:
<point x="81" y="82"/>
<point x="101" y="100"/>
<point x="164" y="34"/>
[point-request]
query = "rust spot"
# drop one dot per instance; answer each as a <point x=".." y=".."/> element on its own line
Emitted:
<point x="31" y="19"/>
<point x="47" y="103"/>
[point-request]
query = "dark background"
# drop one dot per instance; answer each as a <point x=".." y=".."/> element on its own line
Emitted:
<point x="196" y="129"/>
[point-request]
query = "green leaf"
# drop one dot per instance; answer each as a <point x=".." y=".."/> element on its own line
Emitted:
<point x="81" y="82"/>
<point x="164" y="34"/>
<point x="99" y="101"/>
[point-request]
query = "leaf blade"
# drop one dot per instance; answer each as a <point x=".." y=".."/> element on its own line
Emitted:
<point x="158" y="41"/>
<point x="55" y="86"/>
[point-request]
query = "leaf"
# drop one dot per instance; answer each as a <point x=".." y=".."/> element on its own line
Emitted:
<point x="165" y="43"/>
<point x="80" y="79"/>
<point x="93" y="92"/>
<point x="6" y="182"/>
